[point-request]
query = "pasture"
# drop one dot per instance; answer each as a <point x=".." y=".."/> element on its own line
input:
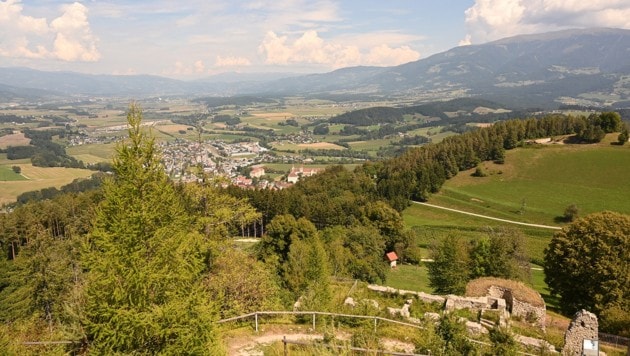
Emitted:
<point x="93" y="153"/>
<point x="7" y="174"/>
<point x="37" y="178"/>
<point x="537" y="184"/>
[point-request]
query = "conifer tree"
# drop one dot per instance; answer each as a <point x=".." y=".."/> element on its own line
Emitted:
<point x="145" y="262"/>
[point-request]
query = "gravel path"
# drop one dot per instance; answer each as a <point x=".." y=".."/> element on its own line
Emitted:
<point x="490" y="217"/>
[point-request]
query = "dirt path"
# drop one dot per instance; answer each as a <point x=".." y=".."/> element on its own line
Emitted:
<point x="490" y="217"/>
<point x="249" y="345"/>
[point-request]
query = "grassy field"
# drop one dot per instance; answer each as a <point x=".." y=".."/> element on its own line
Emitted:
<point x="409" y="277"/>
<point x="39" y="178"/>
<point x="7" y="174"/>
<point x="93" y="153"/>
<point x="536" y="185"/>
<point x="431" y="224"/>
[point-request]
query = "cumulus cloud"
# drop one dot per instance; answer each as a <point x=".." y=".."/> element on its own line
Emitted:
<point x="230" y="61"/>
<point x="312" y="49"/>
<point x="67" y="37"/>
<point x="180" y="68"/>
<point x="492" y="19"/>
<point x="466" y="41"/>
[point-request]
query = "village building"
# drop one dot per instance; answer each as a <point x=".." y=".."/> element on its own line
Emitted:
<point x="257" y="172"/>
<point x="392" y="258"/>
<point x="296" y="173"/>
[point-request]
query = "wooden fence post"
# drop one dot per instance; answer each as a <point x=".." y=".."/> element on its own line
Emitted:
<point x="284" y="341"/>
<point x="374" y="324"/>
<point x="313" y="321"/>
<point x="256" y="321"/>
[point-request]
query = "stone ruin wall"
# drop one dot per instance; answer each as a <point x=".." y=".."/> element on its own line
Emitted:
<point x="497" y="298"/>
<point x="518" y="308"/>
<point x="583" y="326"/>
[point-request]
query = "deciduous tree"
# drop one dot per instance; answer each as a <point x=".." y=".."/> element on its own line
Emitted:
<point x="588" y="263"/>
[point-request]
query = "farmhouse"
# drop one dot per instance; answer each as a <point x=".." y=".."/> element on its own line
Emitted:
<point x="296" y="173"/>
<point x="392" y="258"/>
<point x="257" y="172"/>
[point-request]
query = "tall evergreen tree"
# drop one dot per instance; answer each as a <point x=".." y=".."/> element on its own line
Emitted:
<point x="145" y="262"/>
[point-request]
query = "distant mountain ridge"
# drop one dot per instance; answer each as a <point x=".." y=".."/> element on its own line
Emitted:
<point x="582" y="67"/>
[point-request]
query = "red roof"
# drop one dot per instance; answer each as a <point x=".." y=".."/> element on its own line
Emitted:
<point x="391" y="256"/>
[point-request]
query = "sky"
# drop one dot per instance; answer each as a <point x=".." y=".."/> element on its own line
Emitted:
<point x="194" y="39"/>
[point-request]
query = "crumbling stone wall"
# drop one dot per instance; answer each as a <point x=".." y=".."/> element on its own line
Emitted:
<point x="584" y="326"/>
<point x="519" y="308"/>
<point x="457" y="302"/>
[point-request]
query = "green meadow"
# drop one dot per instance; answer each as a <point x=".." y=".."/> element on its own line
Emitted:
<point x="7" y="174"/>
<point x="534" y="185"/>
<point x="537" y="184"/>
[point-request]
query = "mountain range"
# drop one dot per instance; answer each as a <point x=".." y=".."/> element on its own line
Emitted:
<point x="587" y="67"/>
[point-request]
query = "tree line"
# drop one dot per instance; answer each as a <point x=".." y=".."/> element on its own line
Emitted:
<point x="418" y="172"/>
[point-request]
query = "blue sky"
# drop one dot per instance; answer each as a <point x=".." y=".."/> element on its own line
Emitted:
<point x="195" y="38"/>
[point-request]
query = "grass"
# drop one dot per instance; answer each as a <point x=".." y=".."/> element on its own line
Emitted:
<point x="534" y="185"/>
<point x="545" y="181"/>
<point x="39" y="178"/>
<point x="93" y="153"/>
<point x="431" y="225"/>
<point x="7" y="174"/>
<point x="409" y="277"/>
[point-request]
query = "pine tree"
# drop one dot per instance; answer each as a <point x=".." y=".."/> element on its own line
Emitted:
<point x="144" y="290"/>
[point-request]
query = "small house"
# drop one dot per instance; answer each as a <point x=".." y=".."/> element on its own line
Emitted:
<point x="392" y="258"/>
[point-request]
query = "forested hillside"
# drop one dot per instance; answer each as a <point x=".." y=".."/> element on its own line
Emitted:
<point x="147" y="265"/>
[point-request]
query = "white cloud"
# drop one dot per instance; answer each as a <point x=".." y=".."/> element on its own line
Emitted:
<point x="493" y="19"/>
<point x="312" y="49"/>
<point x="199" y="67"/>
<point x="230" y="61"/>
<point x="466" y="41"/>
<point x="384" y="55"/>
<point x="183" y="69"/>
<point x="74" y="40"/>
<point x="68" y="37"/>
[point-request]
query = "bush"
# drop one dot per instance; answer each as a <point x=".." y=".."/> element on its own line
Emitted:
<point x="479" y="172"/>
<point x="571" y="213"/>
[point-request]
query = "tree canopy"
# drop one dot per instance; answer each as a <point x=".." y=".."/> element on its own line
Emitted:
<point x="145" y="262"/>
<point x="588" y="264"/>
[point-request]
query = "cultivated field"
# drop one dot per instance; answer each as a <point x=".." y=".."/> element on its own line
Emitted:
<point x="15" y="139"/>
<point x="94" y="153"/>
<point x="37" y="178"/>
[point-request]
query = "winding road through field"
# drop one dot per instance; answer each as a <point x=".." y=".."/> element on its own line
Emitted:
<point x="490" y="217"/>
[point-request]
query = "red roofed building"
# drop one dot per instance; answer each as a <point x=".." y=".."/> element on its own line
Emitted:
<point x="392" y="257"/>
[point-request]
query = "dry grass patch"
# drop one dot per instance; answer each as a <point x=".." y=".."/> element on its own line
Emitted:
<point x="480" y="286"/>
<point x="321" y="145"/>
<point x="39" y="178"/>
<point x="16" y="139"/>
<point x="175" y="128"/>
<point x="273" y="115"/>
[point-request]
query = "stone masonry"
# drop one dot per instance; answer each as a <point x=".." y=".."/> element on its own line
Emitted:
<point x="584" y="326"/>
